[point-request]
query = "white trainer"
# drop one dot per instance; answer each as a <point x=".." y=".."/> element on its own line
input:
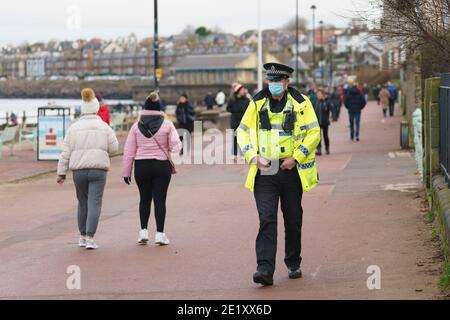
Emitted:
<point x="143" y="237"/>
<point x="82" y="243"/>
<point x="161" y="239"/>
<point x="91" y="245"/>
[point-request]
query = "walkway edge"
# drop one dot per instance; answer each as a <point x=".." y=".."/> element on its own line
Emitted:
<point x="441" y="205"/>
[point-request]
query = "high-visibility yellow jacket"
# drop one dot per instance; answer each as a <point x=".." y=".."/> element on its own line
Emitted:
<point x="305" y="137"/>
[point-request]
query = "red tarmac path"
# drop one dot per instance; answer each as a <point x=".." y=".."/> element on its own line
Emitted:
<point x="365" y="212"/>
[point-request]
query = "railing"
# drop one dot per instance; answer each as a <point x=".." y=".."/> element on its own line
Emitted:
<point x="444" y="146"/>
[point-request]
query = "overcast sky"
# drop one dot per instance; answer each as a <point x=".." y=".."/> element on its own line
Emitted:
<point x="43" y="20"/>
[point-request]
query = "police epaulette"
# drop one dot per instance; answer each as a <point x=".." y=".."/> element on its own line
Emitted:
<point x="296" y="95"/>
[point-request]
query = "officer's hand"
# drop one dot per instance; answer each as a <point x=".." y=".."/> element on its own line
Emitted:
<point x="127" y="180"/>
<point x="288" y="164"/>
<point x="262" y="163"/>
<point x="60" y="180"/>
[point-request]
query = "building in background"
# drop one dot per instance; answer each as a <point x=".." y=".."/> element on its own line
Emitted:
<point x="36" y="67"/>
<point x="218" y="68"/>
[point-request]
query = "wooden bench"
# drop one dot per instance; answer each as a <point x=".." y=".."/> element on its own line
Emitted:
<point x="8" y="136"/>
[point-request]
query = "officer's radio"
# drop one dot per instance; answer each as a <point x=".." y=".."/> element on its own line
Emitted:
<point x="264" y="118"/>
<point x="289" y="119"/>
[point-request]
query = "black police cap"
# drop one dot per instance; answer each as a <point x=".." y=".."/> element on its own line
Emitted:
<point x="277" y="71"/>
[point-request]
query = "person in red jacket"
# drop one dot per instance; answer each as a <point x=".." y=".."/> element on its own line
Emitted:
<point x="104" y="112"/>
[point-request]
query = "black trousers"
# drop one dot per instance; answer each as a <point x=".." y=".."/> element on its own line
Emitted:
<point x="284" y="187"/>
<point x="324" y="130"/>
<point x="391" y="107"/>
<point x="153" y="180"/>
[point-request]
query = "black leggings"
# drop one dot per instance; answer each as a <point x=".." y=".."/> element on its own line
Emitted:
<point x="324" y="131"/>
<point x="153" y="180"/>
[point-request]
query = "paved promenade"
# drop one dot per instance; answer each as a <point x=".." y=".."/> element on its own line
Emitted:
<point x="365" y="212"/>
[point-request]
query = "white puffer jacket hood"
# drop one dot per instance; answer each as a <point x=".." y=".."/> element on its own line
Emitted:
<point x="88" y="144"/>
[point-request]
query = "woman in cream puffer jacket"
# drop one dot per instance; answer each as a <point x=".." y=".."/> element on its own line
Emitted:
<point x="87" y="147"/>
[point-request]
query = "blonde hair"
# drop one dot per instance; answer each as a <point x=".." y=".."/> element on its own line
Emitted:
<point x="154" y="96"/>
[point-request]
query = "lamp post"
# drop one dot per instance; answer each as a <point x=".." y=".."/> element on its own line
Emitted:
<point x="156" y="71"/>
<point x="331" y="63"/>
<point x="297" y="44"/>
<point x="260" y="51"/>
<point x="322" y="54"/>
<point x="313" y="8"/>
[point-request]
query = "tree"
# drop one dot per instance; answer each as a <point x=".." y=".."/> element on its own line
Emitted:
<point x="419" y="25"/>
<point x="292" y="23"/>
<point x="189" y="30"/>
<point x="202" y="31"/>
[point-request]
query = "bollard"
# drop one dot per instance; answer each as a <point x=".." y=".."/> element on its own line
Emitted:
<point x="404" y="135"/>
<point x="417" y="124"/>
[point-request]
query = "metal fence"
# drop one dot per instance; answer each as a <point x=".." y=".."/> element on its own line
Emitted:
<point x="444" y="146"/>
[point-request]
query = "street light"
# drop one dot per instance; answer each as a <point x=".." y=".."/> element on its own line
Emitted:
<point x="260" y="51"/>
<point x="322" y="54"/>
<point x="297" y="45"/>
<point x="321" y="32"/>
<point x="313" y="8"/>
<point x="156" y="70"/>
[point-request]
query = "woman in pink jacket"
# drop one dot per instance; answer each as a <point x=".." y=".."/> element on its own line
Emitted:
<point x="148" y="146"/>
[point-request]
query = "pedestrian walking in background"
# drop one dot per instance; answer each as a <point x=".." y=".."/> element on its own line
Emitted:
<point x="385" y="97"/>
<point x="279" y="131"/>
<point x="323" y="110"/>
<point x="336" y="104"/>
<point x="87" y="148"/>
<point x="210" y="101"/>
<point x="104" y="112"/>
<point x="312" y="95"/>
<point x="14" y="120"/>
<point x="237" y="106"/>
<point x="148" y="146"/>
<point x="221" y="98"/>
<point x="393" y="90"/>
<point x="185" y="117"/>
<point x="355" y="103"/>
<point x="376" y="93"/>
<point x="366" y="92"/>
<point x="185" y="113"/>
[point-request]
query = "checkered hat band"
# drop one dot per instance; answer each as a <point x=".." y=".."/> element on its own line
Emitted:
<point x="277" y="73"/>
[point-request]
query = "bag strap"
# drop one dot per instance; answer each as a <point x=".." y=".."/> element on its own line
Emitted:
<point x="159" y="145"/>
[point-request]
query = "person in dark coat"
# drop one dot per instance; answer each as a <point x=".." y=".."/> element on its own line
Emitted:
<point x="185" y="116"/>
<point x="393" y="91"/>
<point x="237" y="107"/>
<point x="336" y="104"/>
<point x="323" y="110"/>
<point x="355" y="102"/>
<point x="376" y="93"/>
<point x="210" y="101"/>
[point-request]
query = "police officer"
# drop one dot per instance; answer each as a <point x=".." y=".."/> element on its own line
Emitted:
<point x="279" y="135"/>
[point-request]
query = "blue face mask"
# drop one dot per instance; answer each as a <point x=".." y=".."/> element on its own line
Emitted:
<point x="276" y="88"/>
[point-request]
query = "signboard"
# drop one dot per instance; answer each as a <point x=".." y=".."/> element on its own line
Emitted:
<point x="52" y="129"/>
<point x="159" y="73"/>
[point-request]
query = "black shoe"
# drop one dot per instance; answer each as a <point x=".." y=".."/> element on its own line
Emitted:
<point x="328" y="152"/>
<point x="319" y="153"/>
<point x="357" y="139"/>
<point x="295" y="274"/>
<point x="264" y="279"/>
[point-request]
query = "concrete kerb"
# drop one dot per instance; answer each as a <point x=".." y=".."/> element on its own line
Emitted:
<point x="441" y="205"/>
<point x="41" y="174"/>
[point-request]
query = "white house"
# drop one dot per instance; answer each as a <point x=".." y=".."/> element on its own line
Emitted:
<point x="36" y="67"/>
